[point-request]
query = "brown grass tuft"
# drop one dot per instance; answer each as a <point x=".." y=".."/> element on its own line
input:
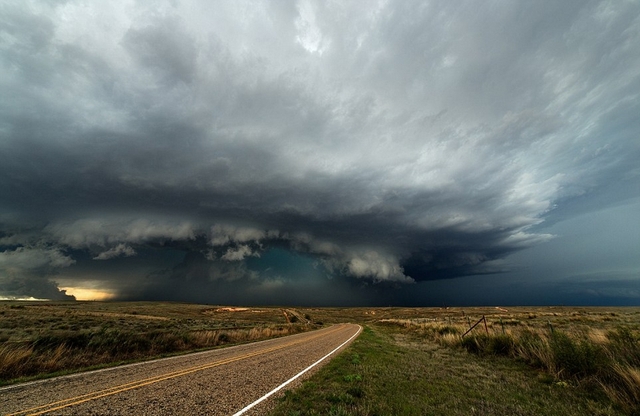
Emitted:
<point x="625" y="389"/>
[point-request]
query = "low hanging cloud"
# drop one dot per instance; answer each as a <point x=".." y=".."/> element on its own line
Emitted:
<point x="225" y="234"/>
<point x="27" y="272"/>
<point x="380" y="268"/>
<point x="26" y="258"/>
<point x="387" y="143"/>
<point x="85" y="233"/>
<point x="119" y="250"/>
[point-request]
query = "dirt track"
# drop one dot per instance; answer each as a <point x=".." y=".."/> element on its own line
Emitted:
<point x="218" y="382"/>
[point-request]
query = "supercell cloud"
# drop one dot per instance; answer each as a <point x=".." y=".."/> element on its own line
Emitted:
<point x="308" y="152"/>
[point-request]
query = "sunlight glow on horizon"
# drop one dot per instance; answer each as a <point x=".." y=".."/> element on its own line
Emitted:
<point x="81" y="293"/>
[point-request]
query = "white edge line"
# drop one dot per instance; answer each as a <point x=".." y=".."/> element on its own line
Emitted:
<point x="266" y="396"/>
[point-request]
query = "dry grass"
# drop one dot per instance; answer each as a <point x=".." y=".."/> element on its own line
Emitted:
<point x="38" y="339"/>
<point x="625" y="390"/>
<point x="588" y="347"/>
<point x="50" y="354"/>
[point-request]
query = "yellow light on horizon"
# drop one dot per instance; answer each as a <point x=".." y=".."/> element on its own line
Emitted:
<point x="88" y="294"/>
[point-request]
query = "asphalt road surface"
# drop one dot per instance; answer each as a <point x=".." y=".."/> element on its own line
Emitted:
<point x="218" y="382"/>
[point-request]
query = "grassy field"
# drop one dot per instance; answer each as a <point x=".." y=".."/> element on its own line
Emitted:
<point x="525" y="361"/>
<point x="386" y="373"/>
<point x="408" y="361"/>
<point x="41" y="338"/>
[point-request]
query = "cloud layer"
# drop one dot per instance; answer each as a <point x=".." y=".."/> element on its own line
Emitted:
<point x="388" y="143"/>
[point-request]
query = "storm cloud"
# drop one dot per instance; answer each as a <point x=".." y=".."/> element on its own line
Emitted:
<point x="196" y="150"/>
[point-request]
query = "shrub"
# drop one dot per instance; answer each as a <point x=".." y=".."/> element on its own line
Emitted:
<point x="489" y="344"/>
<point x="474" y="343"/>
<point x="576" y="358"/>
<point x="534" y="350"/>
<point x="501" y="344"/>
<point x="223" y="338"/>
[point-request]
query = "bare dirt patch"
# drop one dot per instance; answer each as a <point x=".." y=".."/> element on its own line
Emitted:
<point x="231" y="309"/>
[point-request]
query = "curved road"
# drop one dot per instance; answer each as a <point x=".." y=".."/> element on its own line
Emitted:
<point x="219" y="382"/>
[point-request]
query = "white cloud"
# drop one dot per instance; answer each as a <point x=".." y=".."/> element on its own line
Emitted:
<point x="119" y="250"/>
<point x="32" y="259"/>
<point x="309" y="34"/>
<point x="103" y="232"/>
<point x="376" y="266"/>
<point x="239" y="253"/>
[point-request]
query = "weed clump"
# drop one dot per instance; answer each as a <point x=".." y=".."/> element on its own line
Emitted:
<point x="576" y="358"/>
<point x="489" y="344"/>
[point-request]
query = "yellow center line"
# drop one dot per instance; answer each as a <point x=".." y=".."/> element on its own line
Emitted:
<point x="151" y="380"/>
<point x="132" y="385"/>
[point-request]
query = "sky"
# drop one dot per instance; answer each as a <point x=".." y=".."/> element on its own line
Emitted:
<point x="328" y="153"/>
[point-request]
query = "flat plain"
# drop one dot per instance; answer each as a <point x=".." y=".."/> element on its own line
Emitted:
<point x="517" y="360"/>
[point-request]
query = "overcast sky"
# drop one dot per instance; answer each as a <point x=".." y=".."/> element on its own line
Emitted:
<point x="326" y="153"/>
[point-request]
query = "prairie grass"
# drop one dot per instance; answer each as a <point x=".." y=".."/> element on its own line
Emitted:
<point x="544" y="360"/>
<point x="592" y="358"/>
<point x="387" y="371"/>
<point x="52" y="353"/>
<point x="41" y="339"/>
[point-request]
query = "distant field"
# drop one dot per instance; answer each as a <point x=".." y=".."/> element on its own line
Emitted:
<point x="526" y="360"/>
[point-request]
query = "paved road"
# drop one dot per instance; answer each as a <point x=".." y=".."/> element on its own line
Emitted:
<point x="218" y="382"/>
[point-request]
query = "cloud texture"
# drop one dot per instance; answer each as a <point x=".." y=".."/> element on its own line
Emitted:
<point x="387" y="143"/>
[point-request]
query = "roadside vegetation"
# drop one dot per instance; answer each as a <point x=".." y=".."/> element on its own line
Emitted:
<point x="38" y="339"/>
<point x="583" y="356"/>
<point x="389" y="372"/>
<point x="408" y="361"/>
<point x="526" y="361"/>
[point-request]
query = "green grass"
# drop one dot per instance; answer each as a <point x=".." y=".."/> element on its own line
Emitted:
<point x="387" y="372"/>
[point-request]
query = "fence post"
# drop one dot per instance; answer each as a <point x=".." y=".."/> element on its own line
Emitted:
<point x="474" y="325"/>
<point x="485" y="325"/>
<point x="501" y="324"/>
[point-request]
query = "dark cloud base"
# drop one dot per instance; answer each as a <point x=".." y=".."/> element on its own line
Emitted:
<point x="316" y="153"/>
